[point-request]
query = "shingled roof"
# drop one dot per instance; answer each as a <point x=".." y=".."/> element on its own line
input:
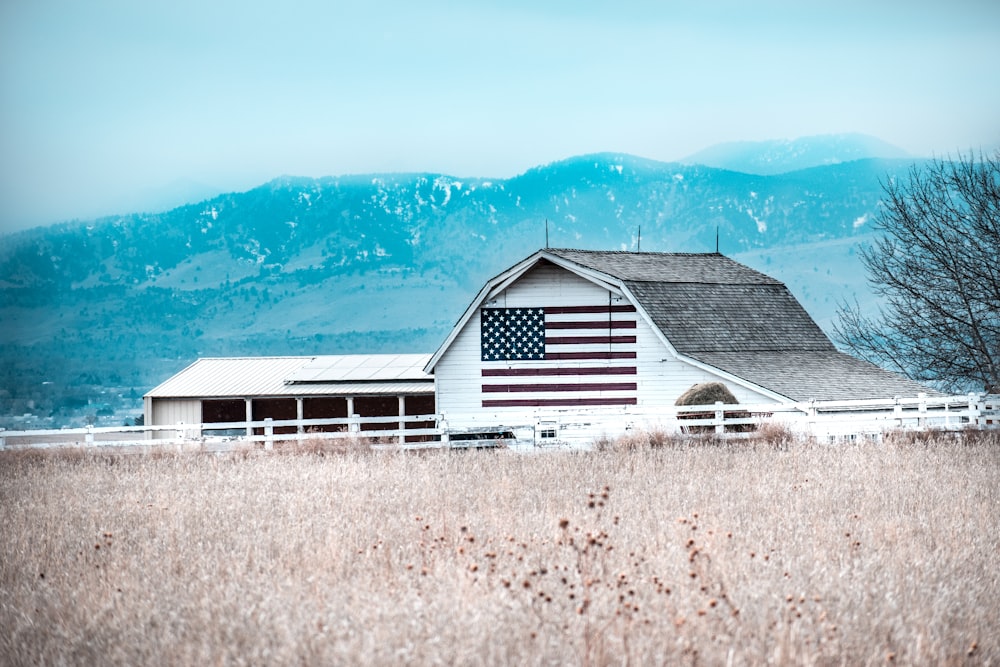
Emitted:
<point x="721" y="313"/>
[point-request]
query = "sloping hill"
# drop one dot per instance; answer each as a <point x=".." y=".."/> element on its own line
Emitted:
<point x="784" y="155"/>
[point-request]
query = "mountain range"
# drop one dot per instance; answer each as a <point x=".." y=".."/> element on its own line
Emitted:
<point x="97" y="312"/>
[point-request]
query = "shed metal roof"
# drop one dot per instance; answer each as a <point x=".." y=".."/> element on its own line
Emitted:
<point x="217" y="377"/>
<point x="363" y="368"/>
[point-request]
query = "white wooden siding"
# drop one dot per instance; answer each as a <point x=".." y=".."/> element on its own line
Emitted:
<point x="663" y="377"/>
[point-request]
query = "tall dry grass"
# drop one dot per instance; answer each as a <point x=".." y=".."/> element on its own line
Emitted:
<point x="740" y="554"/>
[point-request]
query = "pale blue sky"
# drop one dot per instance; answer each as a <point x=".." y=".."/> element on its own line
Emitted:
<point x="106" y="105"/>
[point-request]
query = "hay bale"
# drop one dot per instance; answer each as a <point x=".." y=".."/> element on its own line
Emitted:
<point x="707" y="393"/>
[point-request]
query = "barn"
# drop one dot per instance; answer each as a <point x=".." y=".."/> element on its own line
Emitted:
<point x="576" y="330"/>
<point x="240" y="389"/>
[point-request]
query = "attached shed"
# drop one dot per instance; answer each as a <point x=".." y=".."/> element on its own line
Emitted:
<point x="580" y="330"/>
<point x="237" y="389"/>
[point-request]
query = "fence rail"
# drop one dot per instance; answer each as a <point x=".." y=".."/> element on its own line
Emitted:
<point x="221" y="436"/>
<point x="821" y="419"/>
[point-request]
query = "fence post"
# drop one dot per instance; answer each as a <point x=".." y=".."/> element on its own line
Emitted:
<point x="922" y="409"/>
<point x="443" y="427"/>
<point x="720" y="418"/>
<point x="3" y="440"/>
<point x="897" y="413"/>
<point x="973" y="409"/>
<point x="268" y="434"/>
<point x="811" y="417"/>
<point x="89" y="438"/>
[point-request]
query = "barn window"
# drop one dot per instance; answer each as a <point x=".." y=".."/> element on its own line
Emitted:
<point x="546" y="431"/>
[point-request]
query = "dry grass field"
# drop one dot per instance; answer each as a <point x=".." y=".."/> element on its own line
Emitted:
<point x="857" y="554"/>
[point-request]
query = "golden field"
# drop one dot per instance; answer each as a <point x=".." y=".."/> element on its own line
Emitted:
<point x="682" y="554"/>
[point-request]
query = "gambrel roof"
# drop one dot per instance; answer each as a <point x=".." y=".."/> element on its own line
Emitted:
<point x="725" y="317"/>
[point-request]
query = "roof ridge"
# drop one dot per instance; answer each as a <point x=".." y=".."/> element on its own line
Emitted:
<point x="637" y="252"/>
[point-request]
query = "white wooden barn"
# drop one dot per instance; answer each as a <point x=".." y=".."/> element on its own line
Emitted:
<point x="575" y="331"/>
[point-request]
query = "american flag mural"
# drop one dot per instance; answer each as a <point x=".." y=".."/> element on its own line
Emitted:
<point x="559" y="356"/>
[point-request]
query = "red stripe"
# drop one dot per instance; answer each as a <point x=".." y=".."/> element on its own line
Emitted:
<point x="566" y="310"/>
<point x="614" y="324"/>
<point x="557" y="402"/>
<point x="538" y="372"/>
<point x="585" y="340"/>
<point x="586" y="386"/>
<point x="593" y="356"/>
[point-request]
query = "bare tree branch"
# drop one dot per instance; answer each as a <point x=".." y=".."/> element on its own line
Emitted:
<point x="937" y="265"/>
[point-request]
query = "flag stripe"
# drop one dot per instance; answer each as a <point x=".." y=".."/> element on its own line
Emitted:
<point x="613" y="324"/>
<point x="581" y="340"/>
<point x="588" y="356"/>
<point x="582" y="386"/>
<point x="558" y="370"/>
<point x="574" y="310"/>
<point x="557" y="402"/>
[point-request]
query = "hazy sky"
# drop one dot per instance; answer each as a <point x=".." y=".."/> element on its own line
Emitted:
<point x="107" y="106"/>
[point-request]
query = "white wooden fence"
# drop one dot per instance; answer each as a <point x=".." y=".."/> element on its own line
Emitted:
<point x="824" y="420"/>
<point x="380" y="430"/>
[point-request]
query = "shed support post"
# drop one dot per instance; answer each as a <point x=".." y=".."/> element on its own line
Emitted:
<point x="352" y="426"/>
<point x="401" y="439"/>
<point x="249" y="416"/>
<point x="298" y="415"/>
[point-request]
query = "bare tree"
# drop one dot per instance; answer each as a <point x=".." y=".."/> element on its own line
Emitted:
<point x="936" y="264"/>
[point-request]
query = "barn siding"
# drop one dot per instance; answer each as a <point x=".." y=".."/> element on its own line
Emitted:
<point x="457" y="375"/>
<point x="174" y="411"/>
<point x="661" y="378"/>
